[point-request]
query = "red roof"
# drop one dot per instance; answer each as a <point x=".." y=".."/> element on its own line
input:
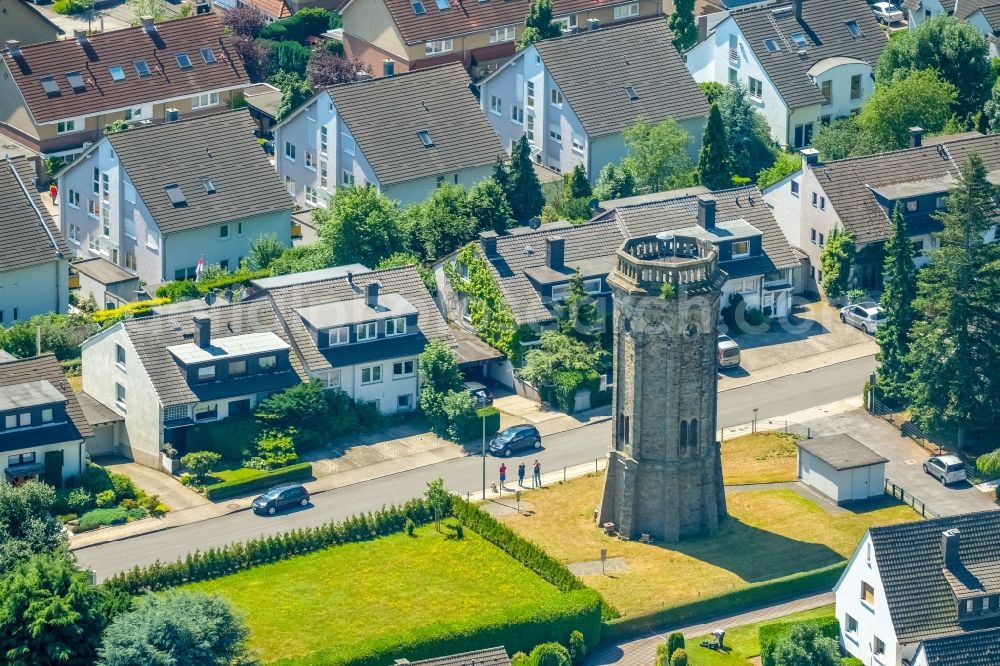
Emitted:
<point x="80" y="77"/>
<point x="276" y="9"/>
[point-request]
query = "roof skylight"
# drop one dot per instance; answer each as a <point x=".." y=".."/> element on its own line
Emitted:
<point x="208" y="55"/>
<point x="443" y="4"/>
<point x="425" y="138"/>
<point x="175" y="195"/>
<point x="418" y="7"/>
<point x="208" y="185"/>
<point x="852" y="27"/>
<point x="76" y="81"/>
<point x="771" y="45"/>
<point x="117" y="73"/>
<point x="632" y="94"/>
<point x="141" y="68"/>
<point x="49" y="85"/>
<point x="183" y="60"/>
<point x="799" y="39"/>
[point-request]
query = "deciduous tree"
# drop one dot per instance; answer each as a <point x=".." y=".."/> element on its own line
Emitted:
<point x="294" y="92"/>
<point x="27" y="526"/>
<point x="899" y="277"/>
<point x="488" y="207"/>
<point x="682" y="24"/>
<point x="538" y="24"/>
<point x="917" y="98"/>
<point x="441" y="222"/>
<point x="747" y="133"/>
<point x="614" y="182"/>
<point x="328" y="69"/>
<point x="244" y="20"/>
<point x="361" y="226"/>
<point x="836" y="261"/>
<point x="657" y="155"/>
<point x="264" y="250"/>
<point x="805" y="645"/>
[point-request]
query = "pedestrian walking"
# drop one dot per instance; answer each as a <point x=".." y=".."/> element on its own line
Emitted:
<point x="536" y="474"/>
<point x="53" y="192"/>
<point x="503" y="474"/>
<point x="520" y="475"/>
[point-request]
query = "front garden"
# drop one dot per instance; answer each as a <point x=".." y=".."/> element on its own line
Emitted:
<point x="98" y="498"/>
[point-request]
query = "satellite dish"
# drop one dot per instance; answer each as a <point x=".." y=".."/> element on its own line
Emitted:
<point x="534" y="223"/>
<point x="210" y="297"/>
<point x="594" y="205"/>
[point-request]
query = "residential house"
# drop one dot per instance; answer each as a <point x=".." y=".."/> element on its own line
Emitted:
<point x="57" y="96"/>
<point x="860" y="194"/>
<point x="918" y="582"/>
<point x="574" y="96"/>
<point x="34" y="258"/>
<point x="533" y="269"/>
<point x="402" y="35"/>
<point x="977" y="648"/>
<point x="405" y="135"/>
<point x="983" y="15"/>
<point x="496" y="656"/>
<point x="42" y="428"/>
<point x="263" y="103"/>
<point x="272" y="10"/>
<point x="155" y="200"/>
<point x="803" y="63"/>
<point x="108" y="284"/>
<point x="21" y="20"/>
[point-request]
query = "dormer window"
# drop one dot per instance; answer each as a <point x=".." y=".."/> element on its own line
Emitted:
<point x="395" y="326"/>
<point x="339" y="336"/>
<point x="267" y="363"/>
<point x="912" y="206"/>
<point x="367" y="331"/>
<point x="741" y="249"/>
<point x="206" y="373"/>
<point x="47" y="415"/>
<point x="237" y="368"/>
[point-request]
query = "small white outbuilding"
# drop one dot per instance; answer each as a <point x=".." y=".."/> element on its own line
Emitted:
<point x="841" y="468"/>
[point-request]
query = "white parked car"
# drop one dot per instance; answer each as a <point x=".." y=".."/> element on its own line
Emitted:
<point x="865" y="316"/>
<point x="886" y="12"/>
<point x="946" y="469"/>
<point x="729" y="352"/>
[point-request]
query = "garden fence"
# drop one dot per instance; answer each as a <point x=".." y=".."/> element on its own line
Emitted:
<point x="900" y="493"/>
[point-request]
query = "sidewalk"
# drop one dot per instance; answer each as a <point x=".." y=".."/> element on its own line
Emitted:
<point x="796" y="366"/>
<point x="516" y="409"/>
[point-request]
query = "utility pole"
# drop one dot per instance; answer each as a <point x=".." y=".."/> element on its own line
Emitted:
<point x="484" y="456"/>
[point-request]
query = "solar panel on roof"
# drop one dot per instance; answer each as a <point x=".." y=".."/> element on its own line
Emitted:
<point x="76" y="81"/>
<point x="175" y="195"/>
<point x="49" y="85"/>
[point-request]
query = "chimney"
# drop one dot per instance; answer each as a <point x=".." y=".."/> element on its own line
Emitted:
<point x="949" y="548"/>
<point x="706" y="211"/>
<point x="798" y="10"/>
<point x="488" y="239"/>
<point x="371" y="294"/>
<point x="555" y="252"/>
<point x="593" y="24"/>
<point x="80" y="35"/>
<point x="148" y="23"/>
<point x="810" y="158"/>
<point x="173" y="115"/>
<point x="350" y="278"/>
<point x="916" y="137"/>
<point x="202" y="331"/>
<point x="388" y="67"/>
<point x="702" y="28"/>
<point x="14" y="46"/>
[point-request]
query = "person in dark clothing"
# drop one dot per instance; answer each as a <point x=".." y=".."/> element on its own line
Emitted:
<point x="520" y="475"/>
<point x="536" y="474"/>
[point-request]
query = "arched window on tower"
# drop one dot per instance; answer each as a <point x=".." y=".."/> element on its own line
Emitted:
<point x="683" y="443"/>
<point x="693" y="436"/>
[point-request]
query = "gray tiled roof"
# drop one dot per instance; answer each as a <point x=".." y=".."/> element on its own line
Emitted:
<point x="496" y="656"/>
<point x="46" y="367"/>
<point x="221" y="147"/>
<point x="593" y="68"/>
<point x="921" y="602"/>
<point x="848" y="183"/>
<point x="25" y="238"/>
<point x="151" y="336"/>
<point x="827" y="37"/>
<point x="966" y="8"/>
<point x="841" y="451"/>
<point x="404" y="281"/>
<point x="385" y="114"/>
<point x="624" y="219"/>
<point x="978" y="648"/>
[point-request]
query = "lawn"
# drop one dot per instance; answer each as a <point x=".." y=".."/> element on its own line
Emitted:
<point x="763" y="457"/>
<point x="742" y="640"/>
<point x="769" y="534"/>
<point x="388" y="589"/>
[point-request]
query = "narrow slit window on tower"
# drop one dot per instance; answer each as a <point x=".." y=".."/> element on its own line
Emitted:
<point x="626" y="429"/>
<point x="683" y="431"/>
<point x="693" y="434"/>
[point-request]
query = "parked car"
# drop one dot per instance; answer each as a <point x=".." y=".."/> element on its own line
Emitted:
<point x="729" y="352"/>
<point x="516" y="438"/>
<point x="946" y="469"/>
<point x="886" y="12"/>
<point x="482" y="395"/>
<point x="281" y="497"/>
<point x="865" y="316"/>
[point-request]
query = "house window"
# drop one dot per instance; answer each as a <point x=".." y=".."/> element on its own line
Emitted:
<point x="867" y="594"/>
<point x="224" y="231"/>
<point x="402" y="369"/>
<point x="267" y="363"/>
<point x="912" y="206"/>
<point x="324" y="180"/>
<point x="237" y="368"/>
<point x="338" y="336"/>
<point x="852" y="27"/>
<point x="856" y="86"/>
<point x="347" y="143"/>
<point x="183" y="61"/>
<point x="800" y="40"/>
<point x="826" y="87"/>
<point x="748" y="286"/>
<point x="347" y="178"/>
<point x="206" y="373"/>
<point x="96" y="180"/>
<point x="733" y="76"/>
<point x="529" y="129"/>
<point x="822" y="240"/>
<point x="65" y="126"/>
<point x="850" y="624"/>
<point x="119" y="395"/>
<point x="120" y="356"/>
<point x="205" y="100"/>
<point x="496" y="105"/>
<point x="312" y="197"/>
<point x="324" y="140"/>
<point x="128" y="192"/>
<point x="803" y="135"/>
<point x="309" y="159"/>
<point x="741" y="249"/>
<point x="795" y="188"/>
<point x="404" y="401"/>
<point x="289" y="151"/>
<point x="208" y="411"/>
<point x="555" y="98"/>
<point x="152" y="240"/>
<point x="74" y="233"/>
<point x="555" y="133"/>
<point x="529" y="98"/>
<point x="505" y="34"/>
<point x="133" y="114"/>
<point x="941" y="202"/>
<point x="577" y="144"/>
<point x="290" y="185"/>
<point x="10" y="421"/>
<point x="130" y="261"/>
<point x="771" y="45"/>
<point x="366" y="331"/>
<point x="395" y="326"/>
<point x="822" y="203"/>
<point x="438" y="46"/>
<point x="755" y="87"/>
<point x="812" y="234"/>
<point x="47" y="415"/>
<point x="73" y="198"/>
<point x="878" y="648"/>
<point x="333" y="379"/>
<point x="371" y="375"/>
<point x="208" y="55"/>
<point x="560" y="292"/>
<point x="626" y="11"/>
<point x="105" y="187"/>
<point x="592" y="285"/>
<point x="105" y="222"/>
<point x="517" y="114"/>
<point x="24" y="419"/>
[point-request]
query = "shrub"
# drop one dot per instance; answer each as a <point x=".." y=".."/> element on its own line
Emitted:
<point x="101" y="517"/>
<point x="851" y="661"/>
<point x="674" y="642"/>
<point x="228" y="489"/>
<point x="577" y="647"/>
<point x="136" y="309"/>
<point x="67" y="517"/>
<point x="232" y="438"/>
<point x="94" y="480"/>
<point x="178" y="290"/>
<point x="549" y="654"/>
<point x="74" y="500"/>
<point x="71" y="6"/>
<point x="105" y="499"/>
<point x="679" y="658"/>
<point x="492" y="415"/>
<point x="409" y="527"/>
<point x="274" y="449"/>
<point x="200" y="463"/>
<point x="754" y="316"/>
<point x="769" y="635"/>
<point x="159" y="510"/>
<point x="123" y="486"/>
<point x="459" y="409"/>
<point x="149" y="502"/>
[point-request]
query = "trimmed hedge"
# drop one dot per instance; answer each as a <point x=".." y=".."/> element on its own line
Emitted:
<point x="579" y="610"/>
<point x="264" y="480"/>
<point x="749" y="596"/>
<point x="217" y="562"/>
<point x="135" y="309"/>
<point x="769" y="634"/>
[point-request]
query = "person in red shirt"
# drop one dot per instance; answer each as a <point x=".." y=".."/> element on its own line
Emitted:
<point x="53" y="192"/>
<point x="503" y="473"/>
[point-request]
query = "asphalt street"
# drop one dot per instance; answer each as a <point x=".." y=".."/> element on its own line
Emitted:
<point x="777" y="397"/>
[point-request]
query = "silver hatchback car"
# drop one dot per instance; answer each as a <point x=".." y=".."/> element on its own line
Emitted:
<point x="946" y="469"/>
<point x="865" y="316"/>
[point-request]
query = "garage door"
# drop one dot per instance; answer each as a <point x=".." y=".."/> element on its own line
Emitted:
<point x="859" y="489"/>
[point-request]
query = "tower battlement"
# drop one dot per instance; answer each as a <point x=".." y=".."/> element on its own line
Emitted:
<point x="688" y="264"/>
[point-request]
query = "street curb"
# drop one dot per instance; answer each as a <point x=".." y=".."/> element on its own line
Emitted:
<point x="800" y="372"/>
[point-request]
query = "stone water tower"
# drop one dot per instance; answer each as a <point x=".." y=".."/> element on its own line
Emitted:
<point x="664" y="471"/>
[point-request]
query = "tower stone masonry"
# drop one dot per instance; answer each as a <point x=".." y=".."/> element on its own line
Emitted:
<point x="664" y="473"/>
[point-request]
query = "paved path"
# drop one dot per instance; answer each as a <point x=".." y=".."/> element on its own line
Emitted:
<point x="641" y="651"/>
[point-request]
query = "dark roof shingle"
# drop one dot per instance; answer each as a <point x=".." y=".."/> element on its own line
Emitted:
<point x="28" y="235"/>
<point x="221" y="147"/>
<point x="841" y="451"/>
<point x="496" y="656"/>
<point x="384" y="115"/>
<point x="593" y="69"/>
<point x="46" y="367"/>
<point x="120" y="48"/>
<point x="977" y="648"/>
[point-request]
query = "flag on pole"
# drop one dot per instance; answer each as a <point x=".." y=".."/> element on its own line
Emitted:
<point x="199" y="268"/>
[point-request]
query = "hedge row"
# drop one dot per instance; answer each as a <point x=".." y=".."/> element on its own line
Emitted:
<point x="579" y="610"/>
<point x="240" y="277"/>
<point x="753" y="595"/>
<point x="770" y="634"/>
<point x="134" y="309"/>
<point x="226" y="489"/>
<point x="218" y="562"/>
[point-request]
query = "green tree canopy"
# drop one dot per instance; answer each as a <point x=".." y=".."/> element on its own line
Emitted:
<point x="713" y="160"/>
<point x="361" y="226"/>
<point x="899" y="277"/>
<point x="177" y="627"/>
<point x="843" y="138"/>
<point x="949" y="46"/>
<point x="785" y="165"/>
<point x="955" y="346"/>
<point x="488" y="207"/>
<point x="410" y="259"/>
<point x="441" y="222"/>
<point x="439" y="368"/>
<point x="538" y="24"/>
<point x="747" y="132"/>
<point x="557" y="352"/>
<point x="614" y="182"/>
<point x="916" y="98"/>
<point x="294" y="92"/>
<point x="264" y="250"/>
<point x="806" y="645"/>
<point x="682" y="24"/>
<point x="524" y="192"/>
<point x="836" y="261"/>
<point x="578" y="315"/>
<point x="577" y="183"/>
<point x="657" y="155"/>
<point x="27" y="526"/>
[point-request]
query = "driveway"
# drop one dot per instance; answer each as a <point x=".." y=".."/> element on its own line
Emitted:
<point x="172" y="492"/>
<point x="905" y="460"/>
